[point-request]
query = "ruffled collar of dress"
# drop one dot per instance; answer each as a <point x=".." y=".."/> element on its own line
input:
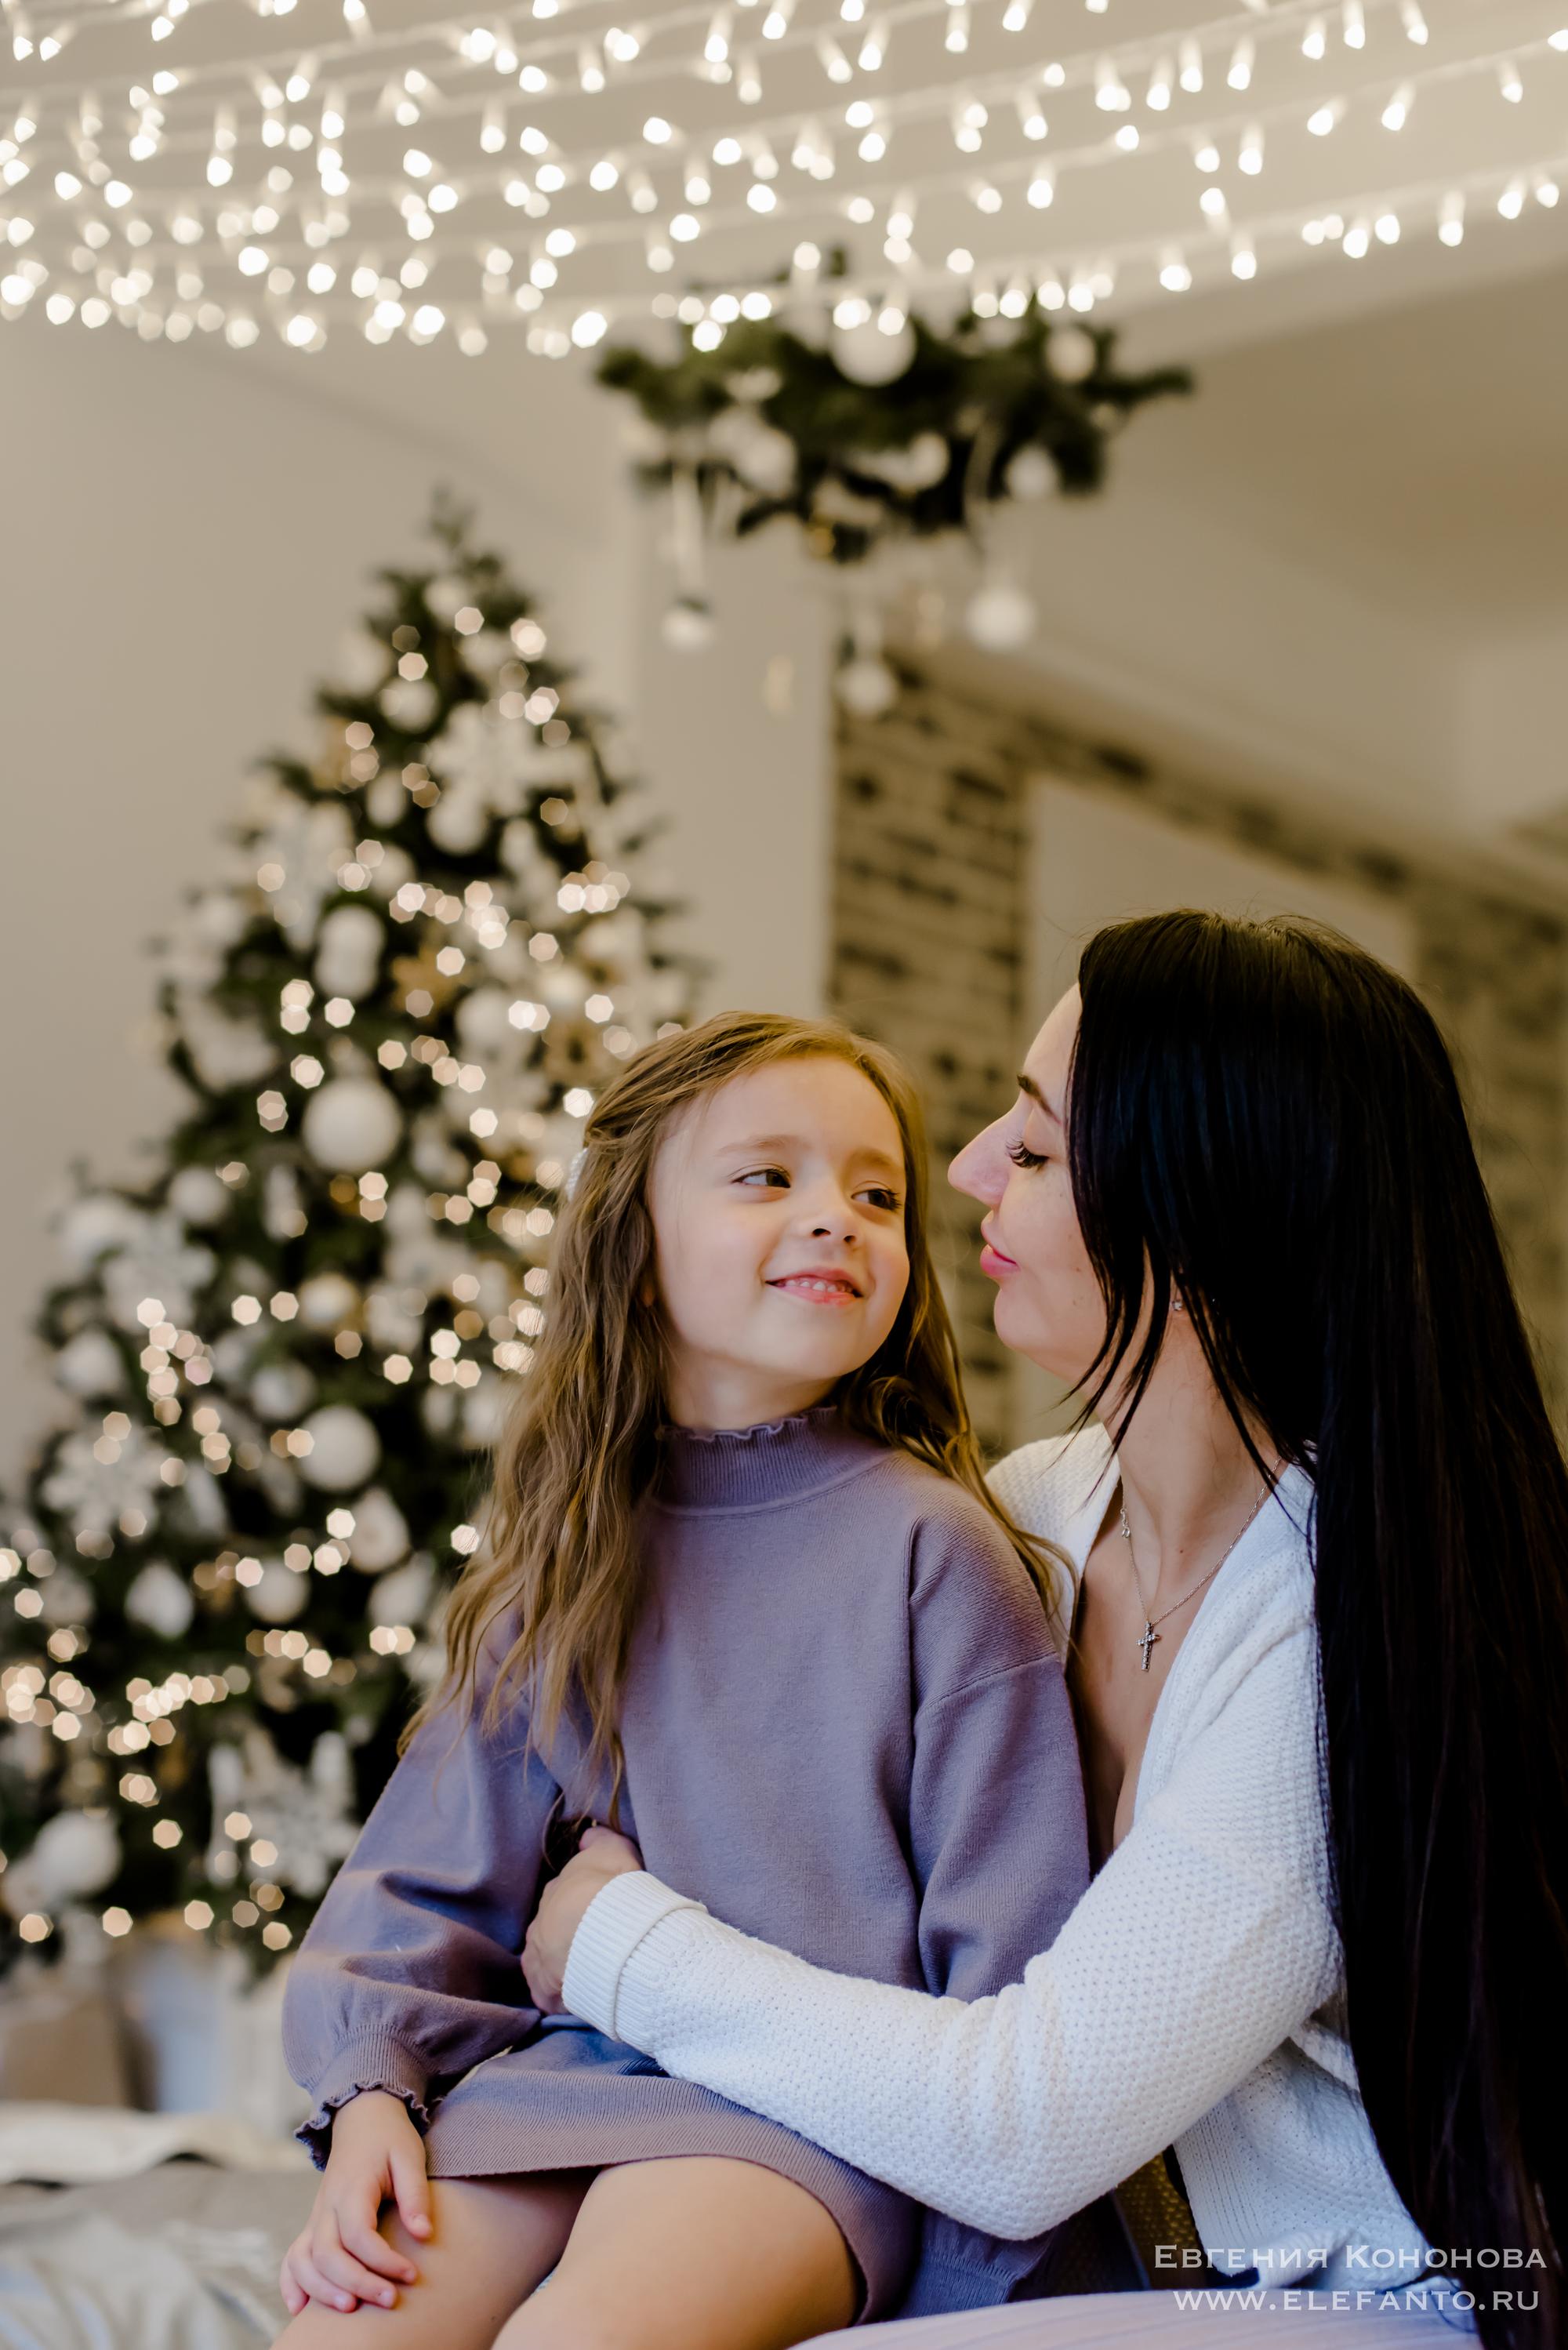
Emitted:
<point x="773" y="1460"/>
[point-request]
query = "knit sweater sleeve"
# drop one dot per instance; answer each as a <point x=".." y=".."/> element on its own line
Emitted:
<point x="1201" y="1944"/>
<point x="997" y="1827"/>
<point x="410" y="1970"/>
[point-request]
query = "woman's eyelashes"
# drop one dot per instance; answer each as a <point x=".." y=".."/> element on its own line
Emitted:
<point x="1022" y="1156"/>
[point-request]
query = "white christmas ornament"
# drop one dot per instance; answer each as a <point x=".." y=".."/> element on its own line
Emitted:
<point x="162" y="1600"/>
<point x="1000" y="617"/>
<point x="381" y="1535"/>
<point x="759" y="453"/>
<point x="687" y="626"/>
<point x="73" y="1855"/>
<point x="310" y="841"/>
<point x="97" y="1481"/>
<point x="328" y="1299"/>
<point x="402" y="1596"/>
<point x="446" y="597"/>
<point x="484" y="1023"/>
<point x="309" y="1820"/>
<point x="97" y="1223"/>
<point x="866" y="686"/>
<point x="204" y="1499"/>
<point x="384" y="804"/>
<point x="919" y="467"/>
<point x="484" y="1409"/>
<point x="352" y="1124"/>
<point x="458" y="822"/>
<point x="1032" y="475"/>
<point x="1071" y="353"/>
<point x="194" y="955"/>
<point x="866" y="355"/>
<point x="67" y="1598"/>
<point x="484" y="652"/>
<point x="90" y="1364"/>
<point x="156" y="1261"/>
<point x="282" y="1214"/>
<point x="349" y="954"/>
<point x="411" y="702"/>
<point x="225" y="1052"/>
<point x="363" y="660"/>
<point x="282" y="1391"/>
<point x="197" y="1195"/>
<point x="345" y="1448"/>
<point x="280" y="1595"/>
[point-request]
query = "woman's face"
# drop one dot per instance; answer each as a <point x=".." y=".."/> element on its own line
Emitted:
<point x="1048" y="1302"/>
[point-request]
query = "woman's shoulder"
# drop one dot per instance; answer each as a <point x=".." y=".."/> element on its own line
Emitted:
<point x="1047" y="1486"/>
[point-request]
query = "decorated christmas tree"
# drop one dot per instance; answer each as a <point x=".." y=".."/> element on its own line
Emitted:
<point x="284" y="1356"/>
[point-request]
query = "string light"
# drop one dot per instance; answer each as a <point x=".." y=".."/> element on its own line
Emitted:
<point x="140" y="292"/>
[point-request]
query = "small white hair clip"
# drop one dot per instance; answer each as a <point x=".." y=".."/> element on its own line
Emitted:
<point x="573" y="1174"/>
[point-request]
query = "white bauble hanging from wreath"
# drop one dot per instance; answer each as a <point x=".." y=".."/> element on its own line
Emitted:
<point x="1000" y="617"/>
<point x="868" y="354"/>
<point x="1031" y="474"/>
<point x="688" y="624"/>
<point x="351" y="1125"/>
<point x="345" y="1448"/>
<point x="866" y="686"/>
<point x="1071" y="353"/>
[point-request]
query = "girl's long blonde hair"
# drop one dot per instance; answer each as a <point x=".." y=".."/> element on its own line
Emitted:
<point x="579" y="1448"/>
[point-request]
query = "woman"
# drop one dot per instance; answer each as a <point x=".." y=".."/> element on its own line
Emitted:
<point x="1320" y="1646"/>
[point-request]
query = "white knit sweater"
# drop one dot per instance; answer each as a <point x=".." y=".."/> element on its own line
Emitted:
<point x="1194" y="1995"/>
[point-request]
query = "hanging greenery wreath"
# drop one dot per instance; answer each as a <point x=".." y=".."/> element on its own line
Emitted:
<point x="994" y="410"/>
<point x="870" y="439"/>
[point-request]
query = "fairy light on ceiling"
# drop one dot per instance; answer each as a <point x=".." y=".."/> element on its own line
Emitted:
<point x="295" y="169"/>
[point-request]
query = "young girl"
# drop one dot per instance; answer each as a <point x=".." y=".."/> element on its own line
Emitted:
<point x="744" y="1593"/>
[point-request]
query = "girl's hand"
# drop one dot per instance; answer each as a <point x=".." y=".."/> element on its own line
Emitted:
<point x="600" y="1855"/>
<point x="339" y="2256"/>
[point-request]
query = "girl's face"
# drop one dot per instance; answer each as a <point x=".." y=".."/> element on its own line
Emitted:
<point x="1048" y="1302"/>
<point x="777" y="1203"/>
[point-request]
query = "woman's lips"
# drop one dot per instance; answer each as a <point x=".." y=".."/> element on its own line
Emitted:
<point x="994" y="1265"/>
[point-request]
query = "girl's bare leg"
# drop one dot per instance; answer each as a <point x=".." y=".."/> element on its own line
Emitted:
<point x="492" y="2241"/>
<point x="692" y="2252"/>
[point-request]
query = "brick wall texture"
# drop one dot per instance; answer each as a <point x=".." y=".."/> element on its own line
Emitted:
<point x="930" y="953"/>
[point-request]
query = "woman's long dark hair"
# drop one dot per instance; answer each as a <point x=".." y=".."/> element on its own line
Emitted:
<point x="1266" y="1118"/>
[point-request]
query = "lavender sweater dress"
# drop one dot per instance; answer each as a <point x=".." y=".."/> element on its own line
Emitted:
<point x="845" y="1729"/>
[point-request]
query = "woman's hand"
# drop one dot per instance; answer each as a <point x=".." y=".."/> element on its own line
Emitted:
<point x="339" y="2256"/>
<point x="600" y="1855"/>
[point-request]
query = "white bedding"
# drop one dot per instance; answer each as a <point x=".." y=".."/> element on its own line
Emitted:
<point x="146" y="2248"/>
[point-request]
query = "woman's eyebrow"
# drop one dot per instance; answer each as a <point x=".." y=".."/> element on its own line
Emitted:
<point x="1026" y="1085"/>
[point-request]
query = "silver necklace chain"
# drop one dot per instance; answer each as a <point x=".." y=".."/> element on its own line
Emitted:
<point x="1148" y="1636"/>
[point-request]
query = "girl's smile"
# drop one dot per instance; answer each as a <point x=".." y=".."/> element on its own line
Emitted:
<point x="817" y="1288"/>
